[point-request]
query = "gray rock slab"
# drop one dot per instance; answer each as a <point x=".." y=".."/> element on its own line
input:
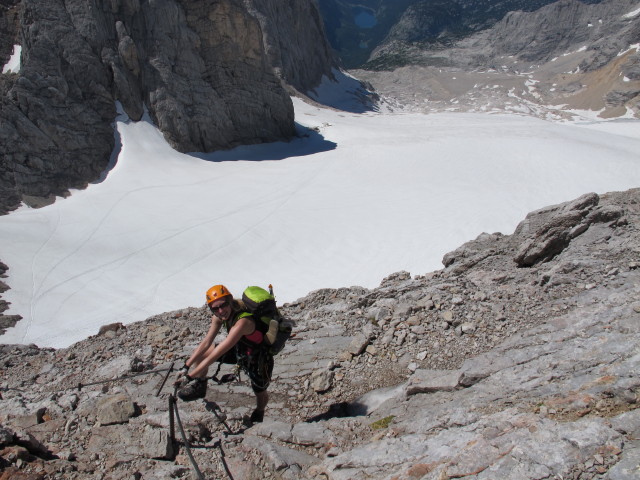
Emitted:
<point x="322" y="380"/>
<point x="429" y="381"/>
<point x="278" y="456"/>
<point x="371" y="401"/>
<point x="273" y="429"/>
<point x="115" y="368"/>
<point x="358" y="344"/>
<point x="628" y="422"/>
<point x="309" y="434"/>
<point x="628" y="468"/>
<point x="305" y="356"/>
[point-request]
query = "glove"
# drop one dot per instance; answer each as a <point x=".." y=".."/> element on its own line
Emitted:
<point x="182" y="376"/>
<point x="182" y="380"/>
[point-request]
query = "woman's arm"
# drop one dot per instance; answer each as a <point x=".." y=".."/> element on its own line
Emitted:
<point x="206" y="342"/>
<point x="244" y="326"/>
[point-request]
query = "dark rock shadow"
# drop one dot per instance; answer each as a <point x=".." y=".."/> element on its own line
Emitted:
<point x="340" y="410"/>
<point x="117" y="143"/>
<point x="113" y="158"/>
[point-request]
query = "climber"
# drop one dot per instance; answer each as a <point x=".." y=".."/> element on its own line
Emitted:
<point x="243" y="346"/>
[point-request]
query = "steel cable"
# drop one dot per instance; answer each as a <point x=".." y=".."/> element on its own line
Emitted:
<point x="174" y="411"/>
<point x="81" y="385"/>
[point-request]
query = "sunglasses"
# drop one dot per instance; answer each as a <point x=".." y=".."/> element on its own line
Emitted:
<point x="219" y="307"/>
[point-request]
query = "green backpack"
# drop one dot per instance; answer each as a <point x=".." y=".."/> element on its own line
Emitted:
<point x="261" y="304"/>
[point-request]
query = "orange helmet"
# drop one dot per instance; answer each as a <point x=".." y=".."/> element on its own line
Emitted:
<point x="217" y="292"/>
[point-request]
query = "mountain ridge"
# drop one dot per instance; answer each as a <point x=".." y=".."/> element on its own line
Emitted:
<point x="538" y="36"/>
<point x="560" y="62"/>
<point x="426" y="22"/>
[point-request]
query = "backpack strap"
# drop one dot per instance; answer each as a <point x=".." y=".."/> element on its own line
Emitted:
<point x="237" y="311"/>
<point x="257" y="337"/>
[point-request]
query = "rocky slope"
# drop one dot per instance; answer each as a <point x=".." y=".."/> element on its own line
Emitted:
<point x="209" y="73"/>
<point x="349" y="38"/>
<point x="358" y="28"/>
<point x="604" y="29"/>
<point x="566" y="56"/>
<point x="518" y="360"/>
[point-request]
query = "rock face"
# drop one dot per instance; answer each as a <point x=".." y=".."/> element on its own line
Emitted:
<point x="425" y="21"/>
<point x="302" y="55"/>
<point x="565" y="26"/>
<point x="548" y="235"/>
<point x="199" y="67"/>
<point x="6" y="321"/>
<point x="493" y="367"/>
<point x="9" y="25"/>
<point x="553" y="29"/>
<point x="56" y="113"/>
<point x="394" y="25"/>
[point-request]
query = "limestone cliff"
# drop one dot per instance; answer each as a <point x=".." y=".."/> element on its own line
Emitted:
<point x="201" y="68"/>
<point x="302" y="55"/>
<point x="9" y="23"/>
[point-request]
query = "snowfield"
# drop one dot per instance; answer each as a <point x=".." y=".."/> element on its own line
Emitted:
<point x="354" y="198"/>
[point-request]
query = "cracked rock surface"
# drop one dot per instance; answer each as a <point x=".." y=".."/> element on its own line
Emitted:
<point x="491" y="368"/>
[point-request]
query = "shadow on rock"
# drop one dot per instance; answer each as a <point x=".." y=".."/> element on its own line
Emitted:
<point x="340" y="410"/>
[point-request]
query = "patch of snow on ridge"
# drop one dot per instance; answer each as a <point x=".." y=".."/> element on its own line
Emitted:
<point x="13" y="65"/>
<point x="633" y="14"/>
<point x="635" y="46"/>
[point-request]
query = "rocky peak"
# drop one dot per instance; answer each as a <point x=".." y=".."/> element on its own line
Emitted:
<point x="428" y="22"/>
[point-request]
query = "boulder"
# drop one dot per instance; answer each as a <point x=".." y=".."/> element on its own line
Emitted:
<point x="358" y="344"/>
<point x="548" y="231"/>
<point x="322" y="380"/>
<point x="115" y="409"/>
<point x="156" y="443"/>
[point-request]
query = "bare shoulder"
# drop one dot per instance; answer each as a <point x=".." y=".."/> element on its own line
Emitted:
<point x="245" y="324"/>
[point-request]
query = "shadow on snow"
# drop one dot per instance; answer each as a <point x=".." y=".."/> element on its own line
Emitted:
<point x="306" y="142"/>
<point x="346" y="93"/>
